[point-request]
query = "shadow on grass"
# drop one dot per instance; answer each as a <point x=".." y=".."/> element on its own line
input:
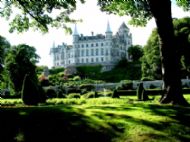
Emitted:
<point x="69" y="124"/>
<point x="51" y="124"/>
<point x="180" y="126"/>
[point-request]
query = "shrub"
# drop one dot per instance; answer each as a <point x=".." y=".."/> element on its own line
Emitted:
<point x="115" y="94"/>
<point x="140" y="91"/>
<point x="90" y="95"/>
<point x="126" y="85"/>
<point x="147" y="79"/>
<point x="30" y="91"/>
<point x="152" y="86"/>
<point x="73" y="95"/>
<point x="88" y="87"/>
<point x="50" y="92"/>
<point x="76" y="78"/>
<point x="72" y="90"/>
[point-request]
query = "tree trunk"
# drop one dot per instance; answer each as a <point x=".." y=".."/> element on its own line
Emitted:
<point x="161" y="10"/>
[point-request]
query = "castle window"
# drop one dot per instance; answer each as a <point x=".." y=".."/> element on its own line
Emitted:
<point x="92" y="52"/>
<point x="102" y="51"/>
<point x="92" y="45"/>
<point x="96" y="52"/>
<point x="57" y="57"/>
<point x="96" y="59"/>
<point x="87" y="60"/>
<point x="62" y="56"/>
<point x="96" y="44"/>
<point x="79" y="46"/>
<point x="92" y="60"/>
<point x="106" y="51"/>
<point x="102" y="44"/>
<point x="82" y="45"/>
<point x="87" y="54"/>
<point x="102" y="59"/>
<point x="82" y="53"/>
<point x="86" y="45"/>
<point x="82" y="60"/>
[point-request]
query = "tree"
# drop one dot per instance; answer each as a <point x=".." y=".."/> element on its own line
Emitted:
<point x="88" y="71"/>
<point x="4" y="46"/>
<point x="135" y="52"/>
<point x="20" y="61"/>
<point x="143" y="10"/>
<point x="151" y="63"/>
<point x="182" y="34"/>
<point x="37" y="14"/>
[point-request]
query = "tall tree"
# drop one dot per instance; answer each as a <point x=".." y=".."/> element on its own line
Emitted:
<point x="135" y="52"/>
<point x="151" y="64"/>
<point x="37" y="14"/>
<point x="4" y="46"/>
<point x="20" y="61"/>
<point x="143" y="10"/>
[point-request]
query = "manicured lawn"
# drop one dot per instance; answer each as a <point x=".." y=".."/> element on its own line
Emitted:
<point x="95" y="120"/>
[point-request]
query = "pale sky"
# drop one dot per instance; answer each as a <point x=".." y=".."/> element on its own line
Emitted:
<point x="93" y="20"/>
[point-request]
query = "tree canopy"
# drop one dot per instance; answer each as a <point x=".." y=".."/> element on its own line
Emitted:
<point x="135" y="52"/>
<point x="37" y="14"/>
<point x="151" y="63"/>
<point x="20" y="61"/>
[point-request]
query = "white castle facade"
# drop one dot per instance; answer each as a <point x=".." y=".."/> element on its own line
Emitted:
<point x="105" y="50"/>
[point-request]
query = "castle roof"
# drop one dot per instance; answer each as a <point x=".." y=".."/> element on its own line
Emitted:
<point x="75" y="30"/>
<point x="123" y="26"/>
<point x="108" y="27"/>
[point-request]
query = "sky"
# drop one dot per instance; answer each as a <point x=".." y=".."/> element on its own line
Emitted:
<point x="93" y="20"/>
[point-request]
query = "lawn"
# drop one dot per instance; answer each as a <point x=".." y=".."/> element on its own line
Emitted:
<point x="94" y="120"/>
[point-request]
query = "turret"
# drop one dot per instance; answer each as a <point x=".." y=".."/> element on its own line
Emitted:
<point x="108" y="31"/>
<point x="75" y="34"/>
<point x="123" y="29"/>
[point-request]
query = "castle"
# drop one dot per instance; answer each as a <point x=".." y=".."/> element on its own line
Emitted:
<point x="105" y="50"/>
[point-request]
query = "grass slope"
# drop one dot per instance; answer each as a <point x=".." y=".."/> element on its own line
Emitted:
<point x="96" y="120"/>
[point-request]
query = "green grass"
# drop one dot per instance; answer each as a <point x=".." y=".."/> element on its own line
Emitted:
<point x="95" y="120"/>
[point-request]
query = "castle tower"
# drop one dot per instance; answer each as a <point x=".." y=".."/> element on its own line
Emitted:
<point x="123" y="29"/>
<point x="108" y="31"/>
<point x="75" y="34"/>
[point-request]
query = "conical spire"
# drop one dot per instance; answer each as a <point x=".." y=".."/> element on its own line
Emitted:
<point x="108" y="27"/>
<point x="75" y="30"/>
<point x="53" y="44"/>
<point x="124" y="26"/>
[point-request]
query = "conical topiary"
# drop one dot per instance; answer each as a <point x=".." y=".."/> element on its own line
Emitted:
<point x="30" y="92"/>
<point x="140" y="91"/>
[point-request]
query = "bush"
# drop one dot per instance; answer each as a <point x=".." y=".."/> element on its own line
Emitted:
<point x="126" y="85"/>
<point x="76" y="78"/>
<point x="72" y="90"/>
<point x="115" y="94"/>
<point x="30" y="91"/>
<point x="147" y="79"/>
<point x="50" y="92"/>
<point x="90" y="95"/>
<point x="73" y="95"/>
<point x="87" y="87"/>
<point x="152" y="86"/>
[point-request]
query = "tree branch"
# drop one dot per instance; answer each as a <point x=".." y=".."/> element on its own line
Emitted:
<point x="34" y="17"/>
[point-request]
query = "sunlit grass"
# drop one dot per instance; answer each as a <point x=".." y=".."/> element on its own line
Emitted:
<point x="99" y="119"/>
